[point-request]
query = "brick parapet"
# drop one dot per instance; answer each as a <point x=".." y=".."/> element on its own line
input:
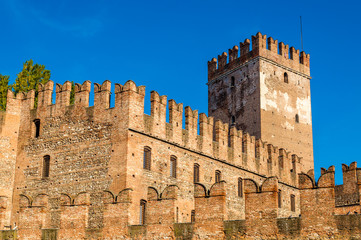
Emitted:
<point x="215" y="139"/>
<point x="263" y="47"/>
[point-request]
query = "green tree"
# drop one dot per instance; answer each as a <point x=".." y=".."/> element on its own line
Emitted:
<point x="4" y="86"/>
<point x="72" y="93"/>
<point x="30" y="77"/>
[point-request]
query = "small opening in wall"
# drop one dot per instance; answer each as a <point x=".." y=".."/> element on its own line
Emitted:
<point x="46" y="166"/>
<point x="37" y="127"/>
<point x="173" y="166"/>
<point x="297" y="118"/>
<point x="232" y="81"/>
<point x="293" y="203"/>
<point x="240" y="187"/>
<point x="142" y="212"/>
<point x="233" y="120"/>
<point x="147" y="157"/>
<point x="196" y="173"/>
<point x="279" y="199"/>
<point x="285" y="77"/>
<point x="217" y="176"/>
<point x="193" y="216"/>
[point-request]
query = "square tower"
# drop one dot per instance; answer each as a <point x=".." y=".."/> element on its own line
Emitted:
<point x="265" y="92"/>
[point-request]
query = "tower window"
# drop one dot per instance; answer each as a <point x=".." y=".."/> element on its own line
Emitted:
<point x="233" y="119"/>
<point x="240" y="187"/>
<point x="285" y="77"/>
<point x="293" y="203"/>
<point x="37" y="127"/>
<point x="232" y="81"/>
<point x="218" y="176"/>
<point x="279" y="199"/>
<point x="46" y="166"/>
<point x="142" y="212"/>
<point x="173" y="166"/>
<point x="196" y="173"/>
<point x="297" y="118"/>
<point x="147" y="157"/>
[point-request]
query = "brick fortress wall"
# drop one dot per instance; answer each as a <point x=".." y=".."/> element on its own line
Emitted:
<point x="97" y="181"/>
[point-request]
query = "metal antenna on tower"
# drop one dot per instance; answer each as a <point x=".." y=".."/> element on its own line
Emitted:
<point x="301" y="33"/>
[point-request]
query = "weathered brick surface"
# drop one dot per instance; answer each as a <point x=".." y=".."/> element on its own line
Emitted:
<point x="251" y="89"/>
<point x="97" y="180"/>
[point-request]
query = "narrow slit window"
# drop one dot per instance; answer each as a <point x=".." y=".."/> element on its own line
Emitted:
<point x="297" y="118"/>
<point x="218" y="176"/>
<point x="37" y="127"/>
<point x="285" y="77"/>
<point x="173" y="166"/>
<point x="193" y="216"/>
<point x="293" y="203"/>
<point x="142" y="212"/>
<point x="196" y="173"/>
<point x="232" y="81"/>
<point x="240" y="187"/>
<point x="147" y="158"/>
<point x="294" y="163"/>
<point x="46" y="166"/>
<point x="279" y="199"/>
<point x="177" y="215"/>
<point x="233" y="120"/>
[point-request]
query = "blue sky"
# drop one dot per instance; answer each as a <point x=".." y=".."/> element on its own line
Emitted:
<point x="165" y="45"/>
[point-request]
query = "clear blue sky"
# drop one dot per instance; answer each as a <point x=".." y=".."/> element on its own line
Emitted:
<point x="165" y="45"/>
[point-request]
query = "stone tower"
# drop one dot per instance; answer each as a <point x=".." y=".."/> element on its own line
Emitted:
<point x="266" y="92"/>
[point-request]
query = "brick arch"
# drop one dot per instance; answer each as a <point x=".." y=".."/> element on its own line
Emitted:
<point x="65" y="199"/>
<point x="218" y="189"/>
<point x="306" y="181"/>
<point x="82" y="198"/>
<point x="250" y="186"/>
<point x="41" y="200"/>
<point x="25" y="201"/>
<point x="200" y="190"/>
<point x="124" y="195"/>
<point x="108" y="197"/>
<point x="269" y="185"/>
<point x="153" y="194"/>
<point x="170" y="192"/>
<point x="326" y="180"/>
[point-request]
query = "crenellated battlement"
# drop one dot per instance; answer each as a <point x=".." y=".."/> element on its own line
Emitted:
<point x="351" y="177"/>
<point x="214" y="138"/>
<point x="262" y="46"/>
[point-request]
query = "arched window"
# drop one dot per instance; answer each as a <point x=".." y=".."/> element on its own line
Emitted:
<point x="173" y="166"/>
<point x="147" y="157"/>
<point x="240" y="187"/>
<point x="196" y="173"/>
<point x="279" y="199"/>
<point x="142" y="212"/>
<point x="37" y="127"/>
<point x="297" y="118"/>
<point x="285" y="77"/>
<point x="46" y="166"/>
<point x="193" y="216"/>
<point x="293" y="203"/>
<point x="232" y="81"/>
<point x="218" y="176"/>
